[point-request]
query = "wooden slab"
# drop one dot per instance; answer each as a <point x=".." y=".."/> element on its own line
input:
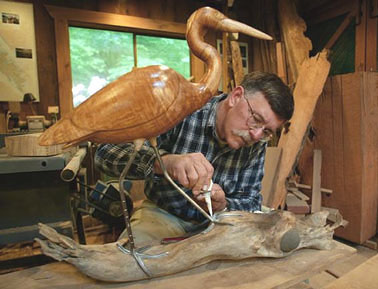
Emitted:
<point x="363" y="276"/>
<point x="26" y="145"/>
<point x="253" y="273"/>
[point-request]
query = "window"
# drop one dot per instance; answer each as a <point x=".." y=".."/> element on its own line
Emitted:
<point x="101" y="56"/>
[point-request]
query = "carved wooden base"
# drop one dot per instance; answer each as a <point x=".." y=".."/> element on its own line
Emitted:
<point x="276" y="235"/>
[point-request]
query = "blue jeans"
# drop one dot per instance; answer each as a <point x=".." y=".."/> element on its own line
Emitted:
<point x="150" y="224"/>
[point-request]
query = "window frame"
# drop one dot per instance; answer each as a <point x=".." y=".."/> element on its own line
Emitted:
<point x="65" y="17"/>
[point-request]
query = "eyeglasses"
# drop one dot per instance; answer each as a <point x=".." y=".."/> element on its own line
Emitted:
<point x="255" y="122"/>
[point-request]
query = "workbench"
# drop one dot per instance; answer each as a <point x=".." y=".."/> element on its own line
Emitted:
<point x="253" y="273"/>
<point x="32" y="191"/>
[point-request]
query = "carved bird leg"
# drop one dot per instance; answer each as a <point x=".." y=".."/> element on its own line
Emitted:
<point x="131" y="250"/>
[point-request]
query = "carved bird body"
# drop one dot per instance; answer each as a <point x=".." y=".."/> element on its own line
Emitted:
<point x="120" y="113"/>
<point x="148" y="101"/>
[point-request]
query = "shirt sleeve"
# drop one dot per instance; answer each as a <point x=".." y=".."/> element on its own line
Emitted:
<point x="246" y="194"/>
<point x="111" y="160"/>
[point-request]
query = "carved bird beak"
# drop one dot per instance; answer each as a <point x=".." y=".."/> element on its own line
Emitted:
<point x="229" y="25"/>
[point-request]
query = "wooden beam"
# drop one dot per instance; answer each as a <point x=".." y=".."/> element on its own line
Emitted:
<point x="281" y="62"/>
<point x="360" y="54"/>
<point x="63" y="63"/>
<point x="329" y="10"/>
<point x="237" y="64"/>
<point x="225" y="78"/>
<point x="80" y="16"/>
<point x="371" y="37"/>
<point x="340" y="30"/>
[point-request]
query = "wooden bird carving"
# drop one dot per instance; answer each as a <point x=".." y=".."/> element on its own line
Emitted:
<point x="147" y="102"/>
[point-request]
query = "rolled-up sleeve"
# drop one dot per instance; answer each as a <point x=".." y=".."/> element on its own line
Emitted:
<point x="111" y="160"/>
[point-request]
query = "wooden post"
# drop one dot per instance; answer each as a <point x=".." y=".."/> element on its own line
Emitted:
<point x="316" y="201"/>
<point x="237" y="64"/>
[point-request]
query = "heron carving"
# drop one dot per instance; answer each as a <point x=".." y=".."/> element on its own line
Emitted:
<point x="146" y="102"/>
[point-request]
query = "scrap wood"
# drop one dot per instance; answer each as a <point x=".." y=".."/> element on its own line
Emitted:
<point x="296" y="205"/>
<point x="308" y="187"/>
<point x="298" y="194"/>
<point x="312" y="76"/>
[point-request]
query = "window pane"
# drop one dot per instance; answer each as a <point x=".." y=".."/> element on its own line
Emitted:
<point x="173" y="53"/>
<point x="97" y="58"/>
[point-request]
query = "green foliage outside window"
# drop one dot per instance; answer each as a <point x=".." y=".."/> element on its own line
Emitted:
<point x="173" y="53"/>
<point x="101" y="56"/>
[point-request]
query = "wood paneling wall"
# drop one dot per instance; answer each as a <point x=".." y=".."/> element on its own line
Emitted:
<point x="346" y="131"/>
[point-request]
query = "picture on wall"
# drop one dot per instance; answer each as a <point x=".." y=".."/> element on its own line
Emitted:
<point x="18" y="61"/>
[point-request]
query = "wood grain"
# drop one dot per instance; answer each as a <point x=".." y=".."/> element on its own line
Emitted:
<point x="363" y="277"/>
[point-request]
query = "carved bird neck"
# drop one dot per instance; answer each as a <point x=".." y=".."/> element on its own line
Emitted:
<point x="197" y="26"/>
<point x="208" y="18"/>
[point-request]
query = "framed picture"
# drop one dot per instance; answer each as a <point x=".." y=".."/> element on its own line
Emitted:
<point x="18" y="61"/>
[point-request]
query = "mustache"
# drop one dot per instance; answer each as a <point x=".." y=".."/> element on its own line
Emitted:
<point x="244" y="134"/>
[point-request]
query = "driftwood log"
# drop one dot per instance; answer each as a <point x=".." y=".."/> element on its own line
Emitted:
<point x="276" y="235"/>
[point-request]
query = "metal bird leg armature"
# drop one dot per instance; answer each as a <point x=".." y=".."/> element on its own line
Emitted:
<point x="149" y="101"/>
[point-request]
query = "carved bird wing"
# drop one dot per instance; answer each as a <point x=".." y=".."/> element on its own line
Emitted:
<point x="135" y="98"/>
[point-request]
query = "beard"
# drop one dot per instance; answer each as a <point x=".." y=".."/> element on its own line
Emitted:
<point x="244" y="134"/>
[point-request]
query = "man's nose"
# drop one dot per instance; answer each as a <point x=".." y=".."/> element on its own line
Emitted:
<point x="257" y="133"/>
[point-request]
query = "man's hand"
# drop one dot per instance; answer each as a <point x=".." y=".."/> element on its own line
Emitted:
<point x="218" y="199"/>
<point x="192" y="170"/>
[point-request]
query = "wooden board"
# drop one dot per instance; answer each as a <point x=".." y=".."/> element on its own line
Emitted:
<point x="272" y="161"/>
<point x="253" y="273"/>
<point x="363" y="277"/>
<point x="316" y="200"/>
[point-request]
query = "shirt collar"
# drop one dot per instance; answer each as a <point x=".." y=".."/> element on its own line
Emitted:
<point x="211" y="121"/>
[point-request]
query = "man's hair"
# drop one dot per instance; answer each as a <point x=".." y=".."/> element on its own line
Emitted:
<point x="275" y="91"/>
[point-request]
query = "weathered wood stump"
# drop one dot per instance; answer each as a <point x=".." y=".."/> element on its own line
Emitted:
<point x="276" y="235"/>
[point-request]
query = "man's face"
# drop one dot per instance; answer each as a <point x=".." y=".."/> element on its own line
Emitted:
<point x="249" y="119"/>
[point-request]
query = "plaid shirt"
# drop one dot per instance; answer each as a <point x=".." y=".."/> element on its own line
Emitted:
<point x="238" y="172"/>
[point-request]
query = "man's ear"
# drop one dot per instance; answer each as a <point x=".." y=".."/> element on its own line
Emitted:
<point x="235" y="96"/>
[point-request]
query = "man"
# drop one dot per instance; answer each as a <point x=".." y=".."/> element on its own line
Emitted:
<point x="224" y="141"/>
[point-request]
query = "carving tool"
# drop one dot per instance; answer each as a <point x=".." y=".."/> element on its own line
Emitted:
<point x="207" y="195"/>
